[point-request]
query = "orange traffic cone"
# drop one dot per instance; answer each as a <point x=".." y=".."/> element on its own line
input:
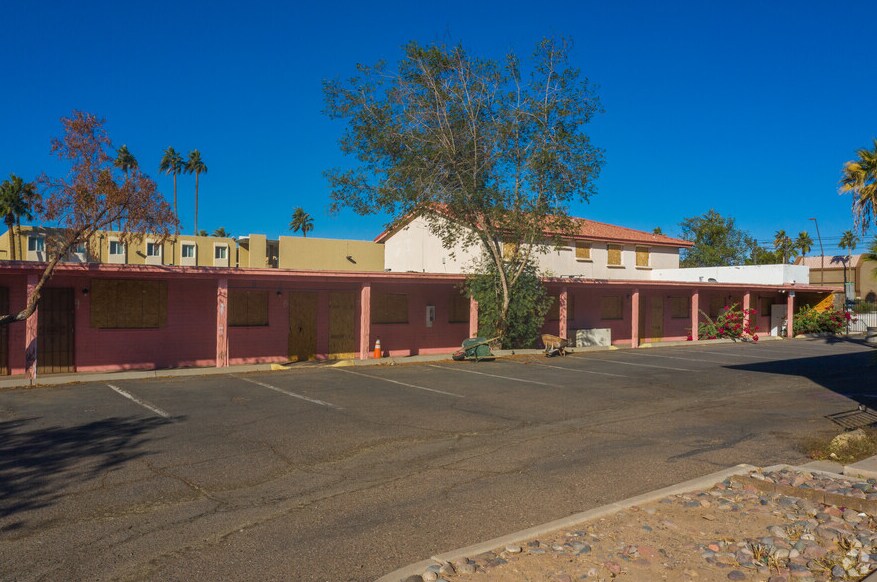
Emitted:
<point x="377" y="354"/>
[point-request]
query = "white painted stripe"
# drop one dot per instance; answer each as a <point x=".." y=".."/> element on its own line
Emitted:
<point x="399" y="383"/>
<point x="649" y="354"/>
<point x="142" y="403"/>
<point x="642" y="365"/>
<point x="456" y="369"/>
<point x="288" y="393"/>
<point x="578" y="370"/>
<point x="739" y="355"/>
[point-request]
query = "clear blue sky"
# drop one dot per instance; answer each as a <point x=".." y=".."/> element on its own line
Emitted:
<point x="748" y="107"/>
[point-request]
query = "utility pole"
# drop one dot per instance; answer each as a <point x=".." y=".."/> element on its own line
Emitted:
<point x="821" y="256"/>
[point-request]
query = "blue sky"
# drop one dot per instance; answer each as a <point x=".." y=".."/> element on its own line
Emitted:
<point x="748" y="107"/>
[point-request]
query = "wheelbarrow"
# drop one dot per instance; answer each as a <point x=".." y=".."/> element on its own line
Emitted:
<point x="474" y="348"/>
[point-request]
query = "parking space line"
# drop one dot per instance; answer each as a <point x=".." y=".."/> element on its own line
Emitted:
<point x="739" y="355"/>
<point x="288" y="393"/>
<point x="142" y="403"/>
<point x="486" y="374"/>
<point x="643" y="365"/>
<point x="576" y="370"/>
<point x="648" y="354"/>
<point x="399" y="383"/>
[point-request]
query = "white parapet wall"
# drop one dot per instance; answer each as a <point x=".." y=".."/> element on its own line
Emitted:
<point x="751" y="274"/>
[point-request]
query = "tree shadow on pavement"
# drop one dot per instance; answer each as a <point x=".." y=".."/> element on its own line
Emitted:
<point x="37" y="464"/>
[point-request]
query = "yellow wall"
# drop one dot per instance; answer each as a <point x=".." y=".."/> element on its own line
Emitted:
<point x="330" y="254"/>
<point x="253" y="252"/>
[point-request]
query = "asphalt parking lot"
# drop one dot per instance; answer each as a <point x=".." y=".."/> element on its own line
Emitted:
<point x="343" y="473"/>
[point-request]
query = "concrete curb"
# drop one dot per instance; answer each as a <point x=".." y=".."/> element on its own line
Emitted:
<point x="570" y="521"/>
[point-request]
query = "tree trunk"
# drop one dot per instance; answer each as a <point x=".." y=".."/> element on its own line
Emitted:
<point x="176" y="215"/>
<point x="196" y="202"/>
<point x="10" y="226"/>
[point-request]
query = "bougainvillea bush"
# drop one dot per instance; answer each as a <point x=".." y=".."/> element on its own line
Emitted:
<point x="732" y="322"/>
<point x="808" y="320"/>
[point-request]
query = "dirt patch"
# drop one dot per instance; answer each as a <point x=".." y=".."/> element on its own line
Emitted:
<point x="747" y="528"/>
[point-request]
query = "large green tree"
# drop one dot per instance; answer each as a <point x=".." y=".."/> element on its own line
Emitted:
<point x="784" y="246"/>
<point x="195" y="165"/>
<point x="803" y="243"/>
<point x="486" y="151"/>
<point x="91" y="198"/>
<point x="848" y="241"/>
<point x="859" y="177"/>
<point x="717" y="241"/>
<point x="17" y="199"/>
<point x="172" y="163"/>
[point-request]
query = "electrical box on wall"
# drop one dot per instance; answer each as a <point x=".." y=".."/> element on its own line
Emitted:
<point x="430" y="315"/>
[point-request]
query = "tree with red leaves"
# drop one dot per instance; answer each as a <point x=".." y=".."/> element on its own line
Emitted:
<point x="95" y="195"/>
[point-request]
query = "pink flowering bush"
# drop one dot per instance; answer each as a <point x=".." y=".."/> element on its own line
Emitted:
<point x="732" y="322"/>
<point x="808" y="320"/>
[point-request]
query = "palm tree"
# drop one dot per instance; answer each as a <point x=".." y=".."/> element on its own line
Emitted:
<point x="848" y="241"/>
<point x="201" y="232"/>
<point x="301" y="221"/>
<point x="172" y="163"/>
<point x="125" y="161"/>
<point x="221" y="232"/>
<point x="195" y="166"/>
<point x="859" y="176"/>
<point x="803" y="243"/>
<point x="783" y="245"/>
<point x="17" y="198"/>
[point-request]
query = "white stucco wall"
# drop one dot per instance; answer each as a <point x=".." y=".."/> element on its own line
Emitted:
<point x="754" y="274"/>
<point x="414" y="248"/>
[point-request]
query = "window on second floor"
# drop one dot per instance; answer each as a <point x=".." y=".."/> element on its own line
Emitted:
<point x="642" y="256"/>
<point x="583" y="251"/>
<point x="188" y="251"/>
<point x="220" y="252"/>
<point x="117" y="248"/>
<point x="36" y="244"/>
<point x="153" y="249"/>
<point x="614" y="259"/>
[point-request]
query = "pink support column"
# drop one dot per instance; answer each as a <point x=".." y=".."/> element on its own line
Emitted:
<point x="747" y="304"/>
<point x="473" y="317"/>
<point x="790" y="314"/>
<point x="634" y="319"/>
<point x="222" y="323"/>
<point x="365" y="319"/>
<point x="564" y="312"/>
<point x="695" y="313"/>
<point x="30" y="334"/>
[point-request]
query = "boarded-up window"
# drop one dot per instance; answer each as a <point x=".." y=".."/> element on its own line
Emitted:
<point x="680" y="307"/>
<point x="247" y="307"/>
<point x="614" y="255"/>
<point x="583" y="251"/>
<point x="642" y="256"/>
<point x="128" y="303"/>
<point x="509" y="250"/>
<point x="611" y="307"/>
<point x="458" y="309"/>
<point x="389" y="308"/>
<point x="764" y="304"/>
<point x="554" y="311"/>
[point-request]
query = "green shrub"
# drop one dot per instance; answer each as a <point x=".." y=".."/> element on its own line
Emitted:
<point x="732" y="323"/>
<point x="808" y="320"/>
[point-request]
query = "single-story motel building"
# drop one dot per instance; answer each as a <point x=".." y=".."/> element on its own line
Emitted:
<point x="97" y="317"/>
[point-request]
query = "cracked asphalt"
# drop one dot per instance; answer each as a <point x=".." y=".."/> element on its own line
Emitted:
<point x="325" y="473"/>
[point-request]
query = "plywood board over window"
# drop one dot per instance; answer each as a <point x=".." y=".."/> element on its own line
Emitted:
<point x="614" y="258"/>
<point x="680" y="307"/>
<point x="247" y="307"/>
<point x="458" y="309"/>
<point x="611" y="307"/>
<point x="509" y="250"/>
<point x="583" y="251"/>
<point x="389" y="307"/>
<point x="128" y="304"/>
<point x="642" y="256"/>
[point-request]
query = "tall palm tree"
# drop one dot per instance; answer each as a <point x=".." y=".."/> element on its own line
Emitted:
<point x="17" y="198"/>
<point x="172" y="163"/>
<point x="301" y="221"/>
<point x="196" y="166"/>
<point x="783" y="245"/>
<point x="803" y="243"/>
<point x="848" y="241"/>
<point x="125" y="161"/>
<point x="859" y="177"/>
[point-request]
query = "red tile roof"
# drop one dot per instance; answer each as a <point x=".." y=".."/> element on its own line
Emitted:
<point x="587" y="230"/>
